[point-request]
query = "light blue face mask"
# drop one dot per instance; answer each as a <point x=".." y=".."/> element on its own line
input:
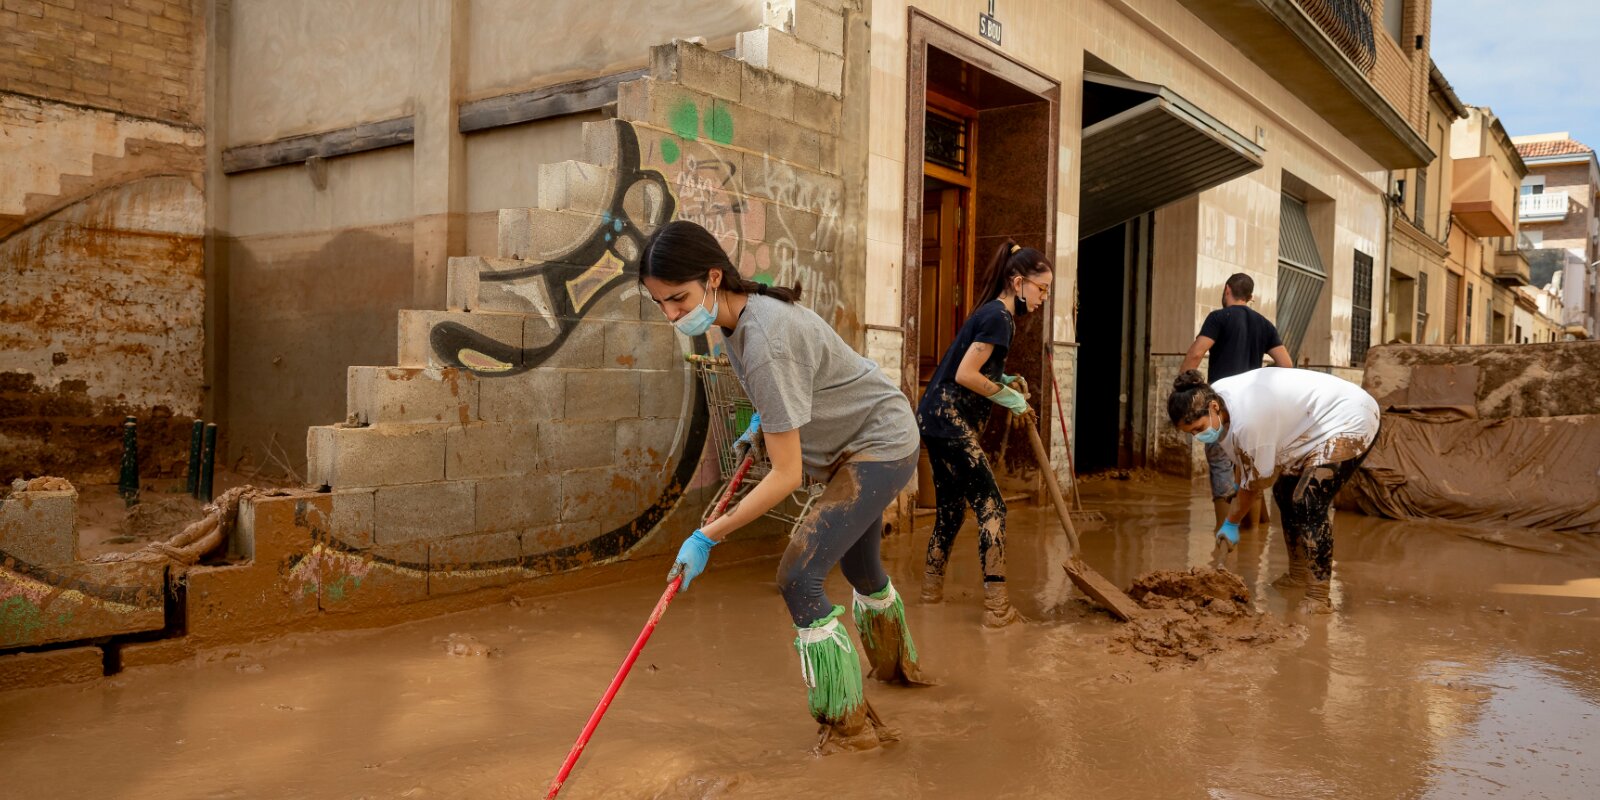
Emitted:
<point x="1209" y="435"/>
<point x="698" y="321"/>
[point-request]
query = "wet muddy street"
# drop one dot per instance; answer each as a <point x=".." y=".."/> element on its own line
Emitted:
<point x="1459" y="664"/>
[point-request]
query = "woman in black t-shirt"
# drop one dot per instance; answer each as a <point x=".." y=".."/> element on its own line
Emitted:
<point x="953" y="411"/>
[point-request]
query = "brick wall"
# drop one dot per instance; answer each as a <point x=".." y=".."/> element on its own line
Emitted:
<point x="1573" y="230"/>
<point x="140" y="57"/>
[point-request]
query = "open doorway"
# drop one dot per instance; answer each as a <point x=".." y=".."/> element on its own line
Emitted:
<point x="1113" y="328"/>
<point x="981" y="169"/>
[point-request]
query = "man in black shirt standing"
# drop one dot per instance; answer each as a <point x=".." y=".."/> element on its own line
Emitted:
<point x="1237" y="337"/>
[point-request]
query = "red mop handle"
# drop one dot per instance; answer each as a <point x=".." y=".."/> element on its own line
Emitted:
<point x="638" y="645"/>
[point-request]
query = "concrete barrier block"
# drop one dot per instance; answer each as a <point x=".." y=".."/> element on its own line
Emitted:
<point x="696" y="67"/>
<point x="491" y="449"/>
<point x="383" y="455"/>
<point x="532" y="396"/>
<point x="476" y="561"/>
<point x="518" y="501"/>
<point x="608" y="394"/>
<point x="40" y="527"/>
<point x="416" y="330"/>
<point x="388" y="395"/>
<point x="425" y="511"/>
<point x="577" y="444"/>
<point x="50" y="668"/>
<point x="784" y="55"/>
<point x="575" y="186"/>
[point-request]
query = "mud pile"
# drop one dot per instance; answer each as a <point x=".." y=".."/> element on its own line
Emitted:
<point x="1195" y="613"/>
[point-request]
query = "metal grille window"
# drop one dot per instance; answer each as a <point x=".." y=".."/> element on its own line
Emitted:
<point x="1361" y="310"/>
<point x="1422" y="308"/>
<point x="945" y="141"/>
<point x="1300" y="274"/>
<point x="1421" y="218"/>
<point x="1467" y="328"/>
<point x="1452" y="307"/>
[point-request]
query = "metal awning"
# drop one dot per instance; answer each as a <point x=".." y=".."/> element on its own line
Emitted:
<point x="1145" y="147"/>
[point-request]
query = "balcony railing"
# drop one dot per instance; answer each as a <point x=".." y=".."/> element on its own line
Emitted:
<point x="1542" y="207"/>
<point x="1349" y="24"/>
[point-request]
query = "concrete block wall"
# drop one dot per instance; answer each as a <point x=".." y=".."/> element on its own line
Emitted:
<point x="546" y="418"/>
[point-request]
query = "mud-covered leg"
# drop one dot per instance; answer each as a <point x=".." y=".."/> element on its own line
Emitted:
<point x="1299" y="565"/>
<point x="881" y="619"/>
<point x="951" y="512"/>
<point x="832" y="673"/>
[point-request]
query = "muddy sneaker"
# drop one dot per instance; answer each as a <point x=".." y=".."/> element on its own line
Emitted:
<point x="881" y="619"/>
<point x="1316" y="600"/>
<point x="997" y="609"/>
<point x="860" y="730"/>
<point x="932" y="588"/>
<point x="1299" y="573"/>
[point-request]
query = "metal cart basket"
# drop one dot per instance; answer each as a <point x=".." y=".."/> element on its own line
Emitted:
<point x="730" y="411"/>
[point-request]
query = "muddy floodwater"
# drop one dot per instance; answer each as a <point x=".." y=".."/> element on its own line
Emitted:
<point x="1461" y="662"/>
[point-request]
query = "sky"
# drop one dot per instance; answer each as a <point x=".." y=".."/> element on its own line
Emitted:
<point x="1535" y="62"/>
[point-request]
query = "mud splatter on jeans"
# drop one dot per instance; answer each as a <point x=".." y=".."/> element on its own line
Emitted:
<point x="961" y="478"/>
<point x="845" y="527"/>
<point x="1307" y="522"/>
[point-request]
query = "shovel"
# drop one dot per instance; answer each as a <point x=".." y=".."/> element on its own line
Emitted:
<point x="676" y="580"/>
<point x="1082" y="575"/>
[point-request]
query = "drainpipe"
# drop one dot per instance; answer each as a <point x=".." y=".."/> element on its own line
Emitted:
<point x="1388" y="250"/>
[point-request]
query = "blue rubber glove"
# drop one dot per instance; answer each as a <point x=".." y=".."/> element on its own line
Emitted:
<point x="1011" y="399"/>
<point x="1008" y="380"/>
<point x="692" y="558"/>
<point x="742" y="445"/>
<point x="1229" y="531"/>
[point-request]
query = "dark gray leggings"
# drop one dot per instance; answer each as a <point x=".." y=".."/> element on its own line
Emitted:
<point x="844" y="528"/>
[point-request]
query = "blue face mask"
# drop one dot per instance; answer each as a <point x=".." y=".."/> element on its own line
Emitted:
<point x="1209" y="435"/>
<point x="698" y="321"/>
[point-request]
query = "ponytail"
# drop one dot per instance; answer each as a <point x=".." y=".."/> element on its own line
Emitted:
<point x="1010" y="259"/>
<point x="682" y="251"/>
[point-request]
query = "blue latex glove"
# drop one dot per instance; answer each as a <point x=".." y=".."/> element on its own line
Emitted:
<point x="742" y="445"/>
<point x="1229" y="531"/>
<point x="1011" y="399"/>
<point x="692" y="558"/>
<point x="1008" y="380"/>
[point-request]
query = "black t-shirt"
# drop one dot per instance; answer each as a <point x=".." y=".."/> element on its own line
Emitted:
<point x="949" y="410"/>
<point x="1242" y="337"/>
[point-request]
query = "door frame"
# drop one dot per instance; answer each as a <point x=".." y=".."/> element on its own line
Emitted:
<point x="925" y="31"/>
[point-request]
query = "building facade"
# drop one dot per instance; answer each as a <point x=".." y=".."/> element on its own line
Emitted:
<point x="1558" y="208"/>
<point x="1485" y="263"/>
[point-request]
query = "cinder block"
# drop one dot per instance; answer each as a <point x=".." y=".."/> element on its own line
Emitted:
<point x="466" y="284"/>
<point x="821" y="26"/>
<point x="532" y="396"/>
<point x="766" y="91"/>
<point x="575" y="186"/>
<point x="792" y="226"/>
<point x="796" y="144"/>
<point x="648" y="444"/>
<point x="643" y="345"/>
<point x="493" y="448"/>
<point x="779" y="52"/>
<point x="830" y="73"/>
<point x="600" y="142"/>
<point x="83" y="600"/>
<point x="696" y="67"/>
<point x="387" y="395"/>
<point x="464" y="563"/>
<point x="425" y="511"/>
<point x="662" y="393"/>
<point x="584" y="347"/>
<point x="41" y="527"/>
<point x="50" y="667"/>
<point x="608" y="494"/>
<point x="353" y="516"/>
<point x="793" y="186"/>
<point x="383" y="576"/>
<point x="577" y="444"/>
<point x="608" y="394"/>
<point x="741" y="126"/>
<point x="518" y="501"/>
<point x="817" y="109"/>
<point x="417" y="349"/>
<point x="536" y="234"/>
<point x="384" y="455"/>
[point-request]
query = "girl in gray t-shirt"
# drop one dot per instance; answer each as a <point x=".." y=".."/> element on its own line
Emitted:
<point x="822" y="410"/>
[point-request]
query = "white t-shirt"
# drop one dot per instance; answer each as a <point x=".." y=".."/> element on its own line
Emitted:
<point x="1290" y="420"/>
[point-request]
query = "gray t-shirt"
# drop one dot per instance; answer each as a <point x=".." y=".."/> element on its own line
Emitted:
<point x="800" y="374"/>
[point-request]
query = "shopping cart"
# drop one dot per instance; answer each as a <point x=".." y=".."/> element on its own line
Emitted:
<point x="730" y="412"/>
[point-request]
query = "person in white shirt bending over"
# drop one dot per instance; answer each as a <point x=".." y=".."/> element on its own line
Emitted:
<point x="1308" y="431"/>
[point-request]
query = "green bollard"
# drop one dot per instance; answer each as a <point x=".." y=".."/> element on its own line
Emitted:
<point x="208" y="461"/>
<point x="128" y="481"/>
<point x="195" y="435"/>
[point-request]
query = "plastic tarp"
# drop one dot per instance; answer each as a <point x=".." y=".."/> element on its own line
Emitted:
<point x="1539" y="472"/>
